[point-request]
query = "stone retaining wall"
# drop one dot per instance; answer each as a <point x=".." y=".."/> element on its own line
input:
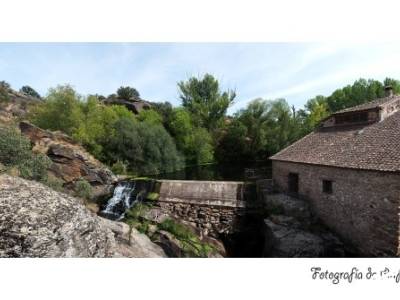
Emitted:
<point x="214" y="207"/>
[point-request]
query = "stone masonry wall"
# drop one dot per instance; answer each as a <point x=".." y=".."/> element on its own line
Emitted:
<point x="214" y="207"/>
<point x="363" y="208"/>
<point x="210" y="220"/>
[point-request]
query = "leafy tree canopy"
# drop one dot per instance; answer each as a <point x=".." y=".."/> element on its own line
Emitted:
<point x="26" y="89"/>
<point x="203" y="98"/>
<point x="126" y="93"/>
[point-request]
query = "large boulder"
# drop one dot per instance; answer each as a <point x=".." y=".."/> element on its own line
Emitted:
<point x="36" y="221"/>
<point x="135" y="105"/>
<point x="279" y="203"/>
<point x="285" y="238"/>
<point x="291" y="230"/>
<point x="71" y="162"/>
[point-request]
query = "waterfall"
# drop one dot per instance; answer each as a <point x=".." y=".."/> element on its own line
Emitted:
<point x="121" y="200"/>
<point x="125" y="195"/>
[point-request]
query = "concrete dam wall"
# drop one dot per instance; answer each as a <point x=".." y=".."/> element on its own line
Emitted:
<point x="215" y="193"/>
<point x="214" y="207"/>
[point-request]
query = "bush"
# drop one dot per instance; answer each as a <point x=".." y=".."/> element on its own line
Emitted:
<point x="35" y="168"/>
<point x="190" y="242"/>
<point x="15" y="151"/>
<point x="126" y="93"/>
<point x="83" y="189"/>
<point x="4" y="87"/>
<point x="14" y="148"/>
<point x="26" y="89"/>
<point x="54" y="183"/>
<point x="119" y="168"/>
<point x="178" y="230"/>
<point x="152" y="196"/>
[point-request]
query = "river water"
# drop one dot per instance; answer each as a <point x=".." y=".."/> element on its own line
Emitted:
<point x="217" y="172"/>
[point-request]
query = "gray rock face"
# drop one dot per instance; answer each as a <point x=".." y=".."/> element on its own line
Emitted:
<point x="287" y="205"/>
<point x="36" y="221"/>
<point x="284" y="240"/>
<point x="291" y="231"/>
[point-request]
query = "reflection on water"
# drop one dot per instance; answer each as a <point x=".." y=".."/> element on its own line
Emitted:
<point x="232" y="172"/>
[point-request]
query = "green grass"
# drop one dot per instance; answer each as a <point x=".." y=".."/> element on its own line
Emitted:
<point x="191" y="244"/>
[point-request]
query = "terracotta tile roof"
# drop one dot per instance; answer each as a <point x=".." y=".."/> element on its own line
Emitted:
<point x="369" y="105"/>
<point x="372" y="147"/>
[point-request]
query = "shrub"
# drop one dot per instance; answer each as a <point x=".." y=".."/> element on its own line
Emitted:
<point x="4" y="88"/>
<point x="5" y="85"/>
<point x="83" y="189"/>
<point x="14" y="148"/>
<point x="136" y="211"/>
<point x="26" y="89"/>
<point x="119" y="168"/>
<point x="152" y="196"/>
<point x="54" y="183"/>
<point x="15" y="151"/>
<point x="178" y="230"/>
<point x="190" y="242"/>
<point x="35" y="168"/>
<point x="126" y="92"/>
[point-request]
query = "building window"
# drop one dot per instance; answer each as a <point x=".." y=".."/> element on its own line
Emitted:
<point x="327" y="186"/>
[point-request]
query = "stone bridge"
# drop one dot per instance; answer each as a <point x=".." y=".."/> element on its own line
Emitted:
<point x="214" y="207"/>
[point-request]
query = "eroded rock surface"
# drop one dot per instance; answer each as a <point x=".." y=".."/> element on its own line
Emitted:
<point x="36" y="221"/>
<point x="291" y="231"/>
<point x="71" y="161"/>
<point x="17" y="107"/>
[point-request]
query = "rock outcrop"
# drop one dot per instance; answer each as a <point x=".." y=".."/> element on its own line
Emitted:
<point x="71" y="162"/>
<point x="291" y="231"/>
<point x="36" y="221"/>
<point x="134" y="105"/>
<point x="16" y="107"/>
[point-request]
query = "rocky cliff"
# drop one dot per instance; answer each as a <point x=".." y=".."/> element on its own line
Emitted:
<point x="16" y="107"/>
<point x="36" y="221"/>
<point x="71" y="162"/>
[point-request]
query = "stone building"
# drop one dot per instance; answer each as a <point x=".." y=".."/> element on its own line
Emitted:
<point x="349" y="170"/>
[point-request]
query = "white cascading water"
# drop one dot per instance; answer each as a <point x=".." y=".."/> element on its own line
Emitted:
<point x="122" y="194"/>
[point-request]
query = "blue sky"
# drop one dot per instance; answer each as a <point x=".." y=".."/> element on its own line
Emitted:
<point x="295" y="71"/>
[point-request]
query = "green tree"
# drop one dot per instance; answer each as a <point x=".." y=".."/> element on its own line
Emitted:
<point x="150" y="116"/>
<point x="126" y="93"/>
<point x="97" y="124"/>
<point x="145" y="147"/>
<point x="165" y="110"/>
<point x="26" y="89"/>
<point x="61" y="110"/>
<point x="196" y="143"/>
<point x="234" y="144"/>
<point x="316" y="109"/>
<point x="256" y="118"/>
<point x="203" y="98"/>
<point x="361" y="91"/>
